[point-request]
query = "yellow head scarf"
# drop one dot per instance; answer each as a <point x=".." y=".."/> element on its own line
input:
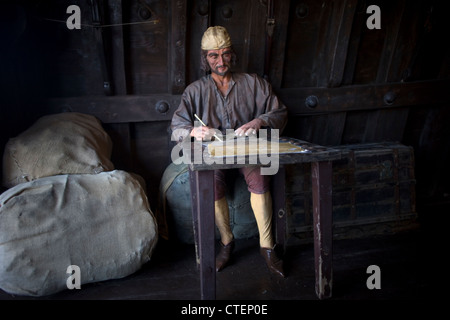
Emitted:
<point x="216" y="38"/>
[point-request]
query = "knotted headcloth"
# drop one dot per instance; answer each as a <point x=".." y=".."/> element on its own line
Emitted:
<point x="216" y="38"/>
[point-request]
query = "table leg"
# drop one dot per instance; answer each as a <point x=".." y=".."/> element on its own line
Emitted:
<point x="279" y="208"/>
<point x="202" y="195"/>
<point x="322" y="222"/>
<point x="194" y="195"/>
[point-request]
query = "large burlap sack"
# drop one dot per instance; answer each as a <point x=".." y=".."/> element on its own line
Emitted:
<point x="101" y="223"/>
<point x="57" y="144"/>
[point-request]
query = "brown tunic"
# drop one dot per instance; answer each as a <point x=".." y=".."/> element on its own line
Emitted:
<point x="248" y="97"/>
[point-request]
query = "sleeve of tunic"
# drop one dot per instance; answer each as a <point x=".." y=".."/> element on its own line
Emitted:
<point x="182" y="120"/>
<point x="273" y="112"/>
<point x="251" y="97"/>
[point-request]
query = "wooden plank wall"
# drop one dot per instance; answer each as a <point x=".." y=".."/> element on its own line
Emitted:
<point x="342" y="82"/>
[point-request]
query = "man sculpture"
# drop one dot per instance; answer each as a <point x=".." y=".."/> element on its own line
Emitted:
<point x="243" y="102"/>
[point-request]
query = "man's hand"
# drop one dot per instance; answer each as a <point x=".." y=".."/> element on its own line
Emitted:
<point x="250" y="128"/>
<point x="202" y="133"/>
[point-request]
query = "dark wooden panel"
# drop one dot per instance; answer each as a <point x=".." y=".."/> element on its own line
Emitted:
<point x="147" y="46"/>
<point x="366" y="97"/>
<point x="277" y="59"/>
<point x="118" y="71"/>
<point x="390" y="40"/>
<point x="318" y="46"/>
<point x="245" y="21"/>
<point x="427" y="131"/>
<point x="70" y="57"/>
<point x="334" y="47"/>
<point x="145" y="108"/>
<point x="119" y="109"/>
<point x="253" y="54"/>
<point x="408" y="39"/>
<point x="371" y="42"/>
<point x="122" y="156"/>
<point x="320" y="129"/>
<point x="177" y="47"/>
<point x="150" y="154"/>
<point x="358" y="27"/>
<point x="303" y="37"/>
<point x="199" y="19"/>
<point x="382" y="125"/>
<point x="432" y="61"/>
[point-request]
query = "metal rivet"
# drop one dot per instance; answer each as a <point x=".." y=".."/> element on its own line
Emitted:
<point x="389" y="98"/>
<point x="311" y="102"/>
<point x="227" y="12"/>
<point x="144" y="13"/>
<point x="203" y="10"/>
<point x="162" y="106"/>
<point x="301" y="11"/>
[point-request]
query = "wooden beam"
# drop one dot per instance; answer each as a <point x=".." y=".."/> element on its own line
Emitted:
<point x="336" y="21"/>
<point x="279" y="207"/>
<point x="177" y="46"/>
<point x="118" y="109"/>
<point x="117" y="54"/>
<point x="358" y="28"/>
<point x="376" y="119"/>
<point x="203" y="202"/>
<point x="321" y="176"/>
<point x="160" y="107"/>
<point x="336" y="43"/>
<point x="121" y="132"/>
<point x="321" y="63"/>
<point x="281" y="11"/>
<point x="365" y="97"/>
<point x="390" y="44"/>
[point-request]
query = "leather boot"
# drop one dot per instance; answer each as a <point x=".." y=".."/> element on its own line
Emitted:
<point x="274" y="263"/>
<point x="224" y="255"/>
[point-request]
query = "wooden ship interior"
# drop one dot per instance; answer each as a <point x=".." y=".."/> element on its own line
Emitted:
<point x="378" y="92"/>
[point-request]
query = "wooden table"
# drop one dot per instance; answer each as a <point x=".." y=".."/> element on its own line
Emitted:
<point x="202" y="192"/>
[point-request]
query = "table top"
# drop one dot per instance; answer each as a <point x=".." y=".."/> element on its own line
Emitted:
<point x="200" y="159"/>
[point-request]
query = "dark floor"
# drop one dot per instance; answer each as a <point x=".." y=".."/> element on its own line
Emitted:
<point x="172" y="274"/>
<point x="409" y="261"/>
<point x="169" y="283"/>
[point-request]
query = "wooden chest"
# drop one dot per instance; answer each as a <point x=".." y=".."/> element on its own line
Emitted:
<point x="373" y="192"/>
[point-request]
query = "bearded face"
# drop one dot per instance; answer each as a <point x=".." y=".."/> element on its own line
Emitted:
<point x="219" y="61"/>
<point x="205" y="61"/>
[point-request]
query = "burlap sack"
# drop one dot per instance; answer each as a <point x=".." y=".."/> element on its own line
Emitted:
<point x="101" y="223"/>
<point x="175" y="204"/>
<point x="57" y="144"/>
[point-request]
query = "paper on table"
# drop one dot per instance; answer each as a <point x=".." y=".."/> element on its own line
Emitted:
<point x="243" y="146"/>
